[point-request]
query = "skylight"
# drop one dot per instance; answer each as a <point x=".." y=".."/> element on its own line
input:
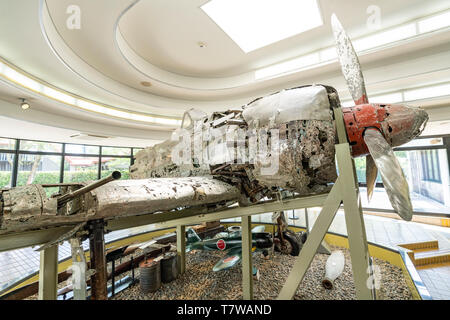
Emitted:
<point x="253" y="24"/>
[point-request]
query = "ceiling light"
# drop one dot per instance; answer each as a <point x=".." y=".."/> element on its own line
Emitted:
<point x="21" y="79"/>
<point x="427" y="92"/>
<point x="385" y="37"/>
<point x="253" y="24"/>
<point x="434" y="23"/>
<point x="388" y="98"/>
<point x="201" y="44"/>
<point x="24" y="105"/>
<point x="288" y="66"/>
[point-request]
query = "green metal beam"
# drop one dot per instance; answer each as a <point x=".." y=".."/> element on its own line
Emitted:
<point x="236" y="212"/>
<point x="345" y="191"/>
<point x="354" y="220"/>
<point x="48" y="274"/>
<point x="313" y="242"/>
<point x="30" y="238"/>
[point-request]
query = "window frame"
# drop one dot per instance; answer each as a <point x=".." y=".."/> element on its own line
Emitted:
<point x="17" y="152"/>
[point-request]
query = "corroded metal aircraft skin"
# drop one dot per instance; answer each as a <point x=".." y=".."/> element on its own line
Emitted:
<point x="299" y="121"/>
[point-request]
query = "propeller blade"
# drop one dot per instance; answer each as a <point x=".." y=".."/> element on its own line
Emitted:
<point x="371" y="176"/>
<point x="349" y="63"/>
<point x="391" y="173"/>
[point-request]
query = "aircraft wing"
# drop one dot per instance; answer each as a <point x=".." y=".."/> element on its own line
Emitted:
<point x="233" y="256"/>
<point x="258" y="229"/>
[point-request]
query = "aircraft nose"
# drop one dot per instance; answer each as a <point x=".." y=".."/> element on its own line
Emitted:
<point x="404" y="123"/>
<point x="420" y="121"/>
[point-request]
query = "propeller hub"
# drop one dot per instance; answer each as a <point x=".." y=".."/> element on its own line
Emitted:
<point x="399" y="124"/>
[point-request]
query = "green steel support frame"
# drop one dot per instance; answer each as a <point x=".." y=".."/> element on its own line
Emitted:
<point x="48" y="274"/>
<point x="346" y="191"/>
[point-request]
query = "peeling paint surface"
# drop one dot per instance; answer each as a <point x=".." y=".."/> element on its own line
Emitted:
<point x="158" y="184"/>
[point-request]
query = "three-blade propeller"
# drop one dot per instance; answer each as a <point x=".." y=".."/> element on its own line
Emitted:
<point x="381" y="156"/>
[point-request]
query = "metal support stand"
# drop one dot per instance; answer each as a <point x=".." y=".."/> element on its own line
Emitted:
<point x="48" y="274"/>
<point x="247" y="274"/>
<point x="98" y="260"/>
<point x="307" y="221"/>
<point x="78" y="270"/>
<point x="181" y="248"/>
<point x="345" y="190"/>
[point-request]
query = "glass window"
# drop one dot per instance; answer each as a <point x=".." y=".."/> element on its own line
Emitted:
<point x="39" y="169"/>
<point x="7" y="144"/>
<point x="79" y="169"/>
<point x="6" y="165"/>
<point x="113" y="151"/>
<point x="428" y="179"/>
<point x="360" y="166"/>
<point x="116" y="164"/>
<point x="82" y="149"/>
<point x="430" y="165"/>
<point x="29" y="145"/>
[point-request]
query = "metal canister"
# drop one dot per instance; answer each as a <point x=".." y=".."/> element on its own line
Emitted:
<point x="169" y="270"/>
<point x="150" y="275"/>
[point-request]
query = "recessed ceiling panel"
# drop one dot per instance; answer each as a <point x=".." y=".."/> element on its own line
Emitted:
<point x="254" y="24"/>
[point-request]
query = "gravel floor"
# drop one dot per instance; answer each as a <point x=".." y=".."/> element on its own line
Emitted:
<point x="200" y="282"/>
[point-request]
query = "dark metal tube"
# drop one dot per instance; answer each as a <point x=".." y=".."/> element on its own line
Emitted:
<point x="70" y="196"/>
<point x="98" y="261"/>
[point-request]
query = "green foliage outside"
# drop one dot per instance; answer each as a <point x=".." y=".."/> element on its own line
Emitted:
<point x="5" y="178"/>
<point x="360" y="166"/>
<point x="80" y="176"/>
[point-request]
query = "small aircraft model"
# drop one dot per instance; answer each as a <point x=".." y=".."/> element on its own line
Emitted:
<point x="232" y="241"/>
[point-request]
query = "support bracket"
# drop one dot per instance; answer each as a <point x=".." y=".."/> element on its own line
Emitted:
<point x="345" y="191"/>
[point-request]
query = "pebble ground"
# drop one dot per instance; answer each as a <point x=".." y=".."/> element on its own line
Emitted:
<point x="199" y="281"/>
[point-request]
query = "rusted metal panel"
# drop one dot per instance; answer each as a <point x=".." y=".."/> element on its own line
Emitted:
<point x="398" y="124"/>
<point x="98" y="261"/>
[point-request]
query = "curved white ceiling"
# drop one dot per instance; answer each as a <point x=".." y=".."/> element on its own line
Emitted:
<point x="122" y="43"/>
<point x="157" y="41"/>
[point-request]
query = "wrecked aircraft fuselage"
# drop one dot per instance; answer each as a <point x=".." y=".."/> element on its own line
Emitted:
<point x="230" y="159"/>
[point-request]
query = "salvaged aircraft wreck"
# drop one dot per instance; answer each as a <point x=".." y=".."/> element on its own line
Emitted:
<point x="229" y="157"/>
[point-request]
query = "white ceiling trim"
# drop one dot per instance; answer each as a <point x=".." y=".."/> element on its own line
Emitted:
<point x="248" y="79"/>
<point x="142" y="101"/>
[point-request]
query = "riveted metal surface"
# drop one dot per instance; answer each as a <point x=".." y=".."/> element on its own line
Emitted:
<point x="357" y="119"/>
